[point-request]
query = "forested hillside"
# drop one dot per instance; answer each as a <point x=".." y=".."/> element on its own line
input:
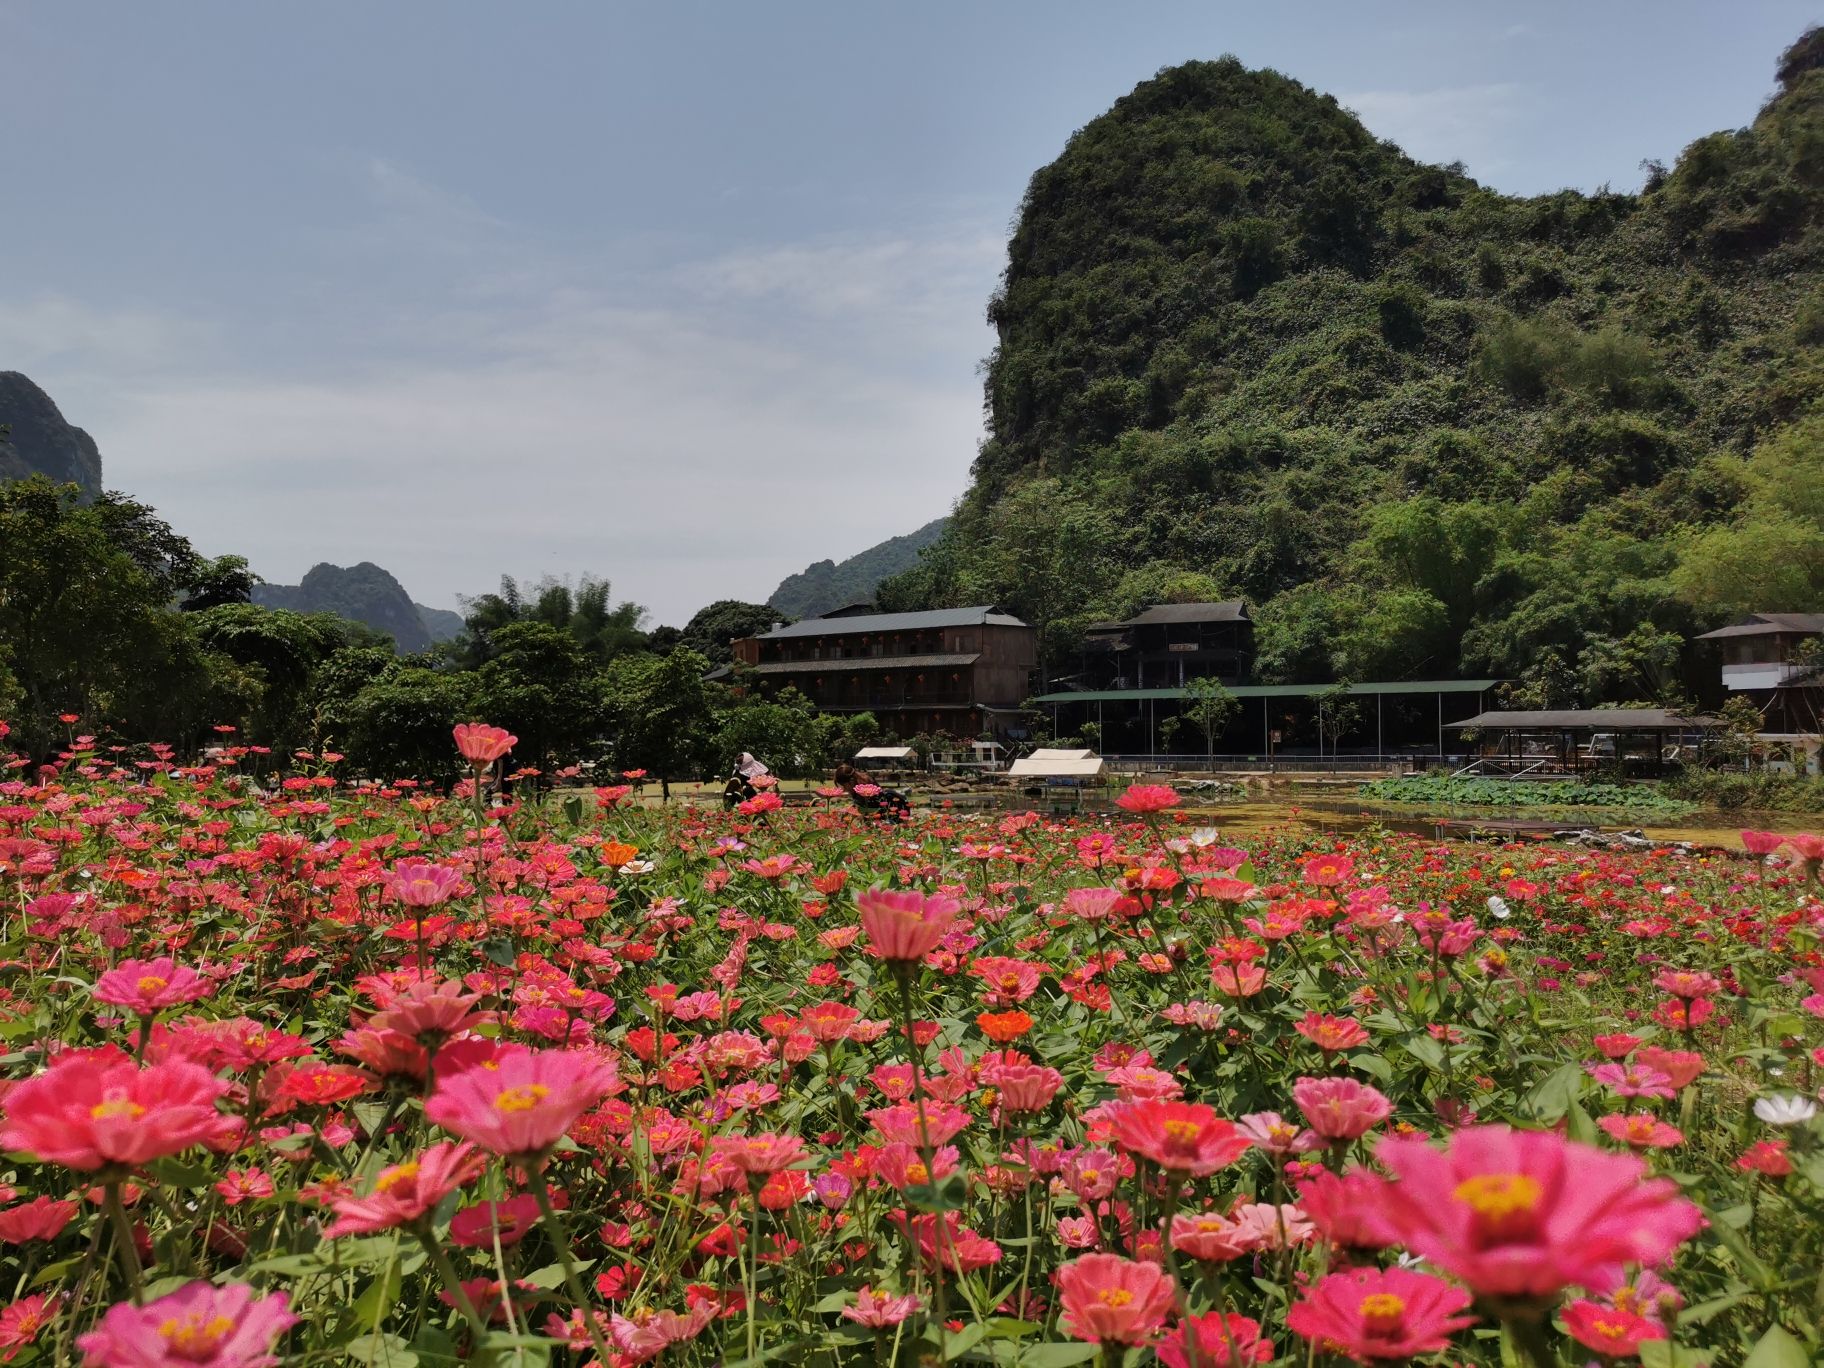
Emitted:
<point x="1247" y="348"/>
<point x="819" y="587"/>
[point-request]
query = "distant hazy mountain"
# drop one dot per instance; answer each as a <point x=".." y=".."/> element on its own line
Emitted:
<point x="831" y="584"/>
<point x="364" y="593"/>
<point x="35" y="439"/>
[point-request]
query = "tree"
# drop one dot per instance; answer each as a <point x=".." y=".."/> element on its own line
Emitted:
<point x="86" y="617"/>
<point x="1211" y="707"/>
<point x="224" y="580"/>
<point x="542" y="686"/>
<point x="711" y="629"/>
<point x="602" y="628"/>
<point x="660" y="715"/>
<point x="1337" y="715"/>
<point x="401" y="722"/>
<point x="284" y="649"/>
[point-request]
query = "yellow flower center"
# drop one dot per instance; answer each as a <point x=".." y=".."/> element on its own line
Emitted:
<point x="1182" y="1132"/>
<point x="523" y="1098"/>
<point x="1382" y="1311"/>
<point x="1611" y="1330"/>
<point x="115" y="1108"/>
<point x="152" y="983"/>
<point x="917" y="1173"/>
<point x="1497" y="1197"/>
<point x="194" y="1338"/>
<point x="398" y="1176"/>
<point x="1114" y="1296"/>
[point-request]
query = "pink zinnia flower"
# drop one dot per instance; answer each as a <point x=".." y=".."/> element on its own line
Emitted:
<point x="1611" y="1332"/>
<point x="1276" y="1135"/>
<point x="1372" y="1313"/>
<point x="1023" y="1087"/>
<point x="1210" y="1237"/>
<point x="645" y="1334"/>
<point x="1219" y="1342"/>
<point x="1340" y="1109"/>
<point x="758" y="1155"/>
<point x="1186" y="1137"/>
<point x="1110" y="1300"/>
<point x="1762" y="842"/>
<point x="1631" y="1080"/>
<point x="904" y="926"/>
<point x="197" y="1326"/>
<point x="879" y="1310"/>
<point x="1681" y="1067"/>
<point x="42" y="1218"/>
<point x="1091" y="904"/>
<point x="477" y="1226"/>
<point x="427" y="1011"/>
<point x="419" y="883"/>
<point x="147" y="987"/>
<point x="1523" y="1214"/>
<point x="1147" y="798"/>
<point x="406" y="1192"/>
<point x="88" y="1114"/>
<point x="1347" y="1210"/>
<point x="523" y="1103"/>
<point x="1331" y="1034"/>
<point x="482" y="745"/>
<point x="21" y="1322"/>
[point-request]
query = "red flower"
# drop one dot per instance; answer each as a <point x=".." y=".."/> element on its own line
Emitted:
<point x="1220" y="1342"/>
<point x="1185" y="1137"/>
<point x="1372" y="1313"/>
<point x="1148" y="798"/>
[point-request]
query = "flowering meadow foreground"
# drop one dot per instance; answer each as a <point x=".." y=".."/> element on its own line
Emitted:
<point x="314" y="1072"/>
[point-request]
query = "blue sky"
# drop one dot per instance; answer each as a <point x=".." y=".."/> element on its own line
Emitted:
<point x="684" y="295"/>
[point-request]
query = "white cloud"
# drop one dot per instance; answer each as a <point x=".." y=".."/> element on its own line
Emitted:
<point x="1449" y="123"/>
<point x="496" y="404"/>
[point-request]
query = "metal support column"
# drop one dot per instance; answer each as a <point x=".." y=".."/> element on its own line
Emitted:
<point x="1380" y="743"/>
<point x="1440" y="724"/>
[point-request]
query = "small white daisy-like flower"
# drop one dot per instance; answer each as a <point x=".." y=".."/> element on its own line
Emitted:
<point x="1787" y="1109"/>
<point x="1498" y="909"/>
<point x="1205" y="836"/>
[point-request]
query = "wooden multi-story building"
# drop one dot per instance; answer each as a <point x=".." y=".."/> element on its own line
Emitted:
<point x="1768" y="658"/>
<point x="964" y="671"/>
<point x="1170" y="644"/>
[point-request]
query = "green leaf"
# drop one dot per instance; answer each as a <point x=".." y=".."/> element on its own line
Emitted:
<point x="1777" y="1348"/>
<point x="1423" y="1048"/>
<point x="178" y="1174"/>
<point x="1373" y="1065"/>
<point x="1665" y="1354"/>
<point x="1552" y="1096"/>
<point x="1057" y="1355"/>
<point x="382" y="1351"/>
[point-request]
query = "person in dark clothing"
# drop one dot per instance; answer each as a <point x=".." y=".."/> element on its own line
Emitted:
<point x="871" y="799"/>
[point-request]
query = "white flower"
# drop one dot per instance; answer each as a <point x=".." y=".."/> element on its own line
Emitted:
<point x="636" y="867"/>
<point x="1499" y="909"/>
<point x="1788" y="1109"/>
<point x="1205" y="836"/>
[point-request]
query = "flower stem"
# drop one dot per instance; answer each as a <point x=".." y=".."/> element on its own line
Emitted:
<point x="440" y="1260"/>
<point x="560" y="1236"/>
<point x="125" y="1248"/>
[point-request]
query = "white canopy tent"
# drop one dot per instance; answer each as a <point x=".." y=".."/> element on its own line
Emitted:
<point x="884" y="755"/>
<point x="1051" y="763"/>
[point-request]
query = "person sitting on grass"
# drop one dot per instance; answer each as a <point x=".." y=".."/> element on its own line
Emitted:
<point x="871" y="799"/>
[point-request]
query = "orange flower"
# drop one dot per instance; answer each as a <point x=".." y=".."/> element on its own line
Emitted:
<point x="617" y="853"/>
<point x="1003" y="1027"/>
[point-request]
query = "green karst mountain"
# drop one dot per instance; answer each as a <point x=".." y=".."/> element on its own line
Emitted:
<point x="834" y="584"/>
<point x="36" y="440"/>
<point x="1245" y="347"/>
<point x="368" y="594"/>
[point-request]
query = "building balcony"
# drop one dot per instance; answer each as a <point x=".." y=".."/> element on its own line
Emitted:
<point x="1769" y="674"/>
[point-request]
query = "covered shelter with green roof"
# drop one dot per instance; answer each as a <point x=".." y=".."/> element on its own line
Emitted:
<point x="1384" y="721"/>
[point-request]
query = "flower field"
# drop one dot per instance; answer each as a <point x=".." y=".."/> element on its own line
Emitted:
<point x="309" y="1071"/>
